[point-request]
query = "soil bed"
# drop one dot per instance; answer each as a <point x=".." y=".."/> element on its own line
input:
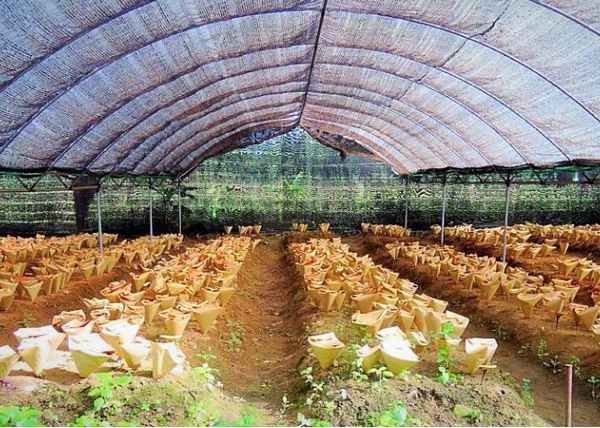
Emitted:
<point x="519" y="339"/>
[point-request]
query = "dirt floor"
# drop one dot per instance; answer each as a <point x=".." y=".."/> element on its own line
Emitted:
<point x="259" y="342"/>
<point x="521" y="341"/>
<point x="260" y="349"/>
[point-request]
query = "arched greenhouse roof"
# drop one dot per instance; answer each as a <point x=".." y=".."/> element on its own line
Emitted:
<point x="154" y="87"/>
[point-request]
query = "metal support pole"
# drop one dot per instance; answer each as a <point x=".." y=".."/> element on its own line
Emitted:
<point x="406" y="204"/>
<point x="569" y="398"/>
<point x="98" y="205"/>
<point x="506" y="206"/>
<point x="150" y="209"/>
<point x="179" y="204"/>
<point x="443" y="211"/>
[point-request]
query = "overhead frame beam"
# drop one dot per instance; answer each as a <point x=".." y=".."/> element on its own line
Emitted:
<point x="101" y="67"/>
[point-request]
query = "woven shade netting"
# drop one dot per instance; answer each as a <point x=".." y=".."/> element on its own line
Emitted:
<point x="154" y="87"/>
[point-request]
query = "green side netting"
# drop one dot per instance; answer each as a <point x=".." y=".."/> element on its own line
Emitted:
<point x="292" y="178"/>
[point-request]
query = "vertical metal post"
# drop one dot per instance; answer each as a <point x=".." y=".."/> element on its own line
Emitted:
<point x="569" y="397"/>
<point x="150" y="209"/>
<point x="406" y="203"/>
<point x="506" y="206"/>
<point x="443" y="211"/>
<point x="179" y="203"/>
<point x="98" y="205"/>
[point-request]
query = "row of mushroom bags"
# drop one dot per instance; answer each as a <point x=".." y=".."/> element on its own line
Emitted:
<point x="517" y="245"/>
<point x="494" y="277"/>
<point x="45" y="265"/>
<point x="571" y="272"/>
<point x="194" y="284"/>
<point x="387" y="307"/>
<point x="586" y="236"/>
<point x="581" y="270"/>
<point x="392" y="230"/>
<point x="244" y="230"/>
<point x="550" y="238"/>
<point x="303" y="227"/>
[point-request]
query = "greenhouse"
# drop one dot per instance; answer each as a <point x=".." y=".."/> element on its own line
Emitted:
<point x="300" y="213"/>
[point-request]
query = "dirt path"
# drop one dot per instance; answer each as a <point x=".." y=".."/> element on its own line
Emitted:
<point x="548" y="389"/>
<point x="267" y="318"/>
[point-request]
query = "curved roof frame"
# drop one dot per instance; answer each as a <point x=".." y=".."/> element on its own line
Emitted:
<point x="195" y="144"/>
<point x="197" y="131"/>
<point x="149" y="113"/>
<point x="455" y="101"/>
<point x="136" y="124"/>
<point x="468" y="38"/>
<point x="116" y="58"/>
<point x="471" y="84"/>
<point x="229" y="127"/>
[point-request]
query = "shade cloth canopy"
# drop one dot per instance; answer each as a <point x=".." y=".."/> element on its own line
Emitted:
<point x="154" y="87"/>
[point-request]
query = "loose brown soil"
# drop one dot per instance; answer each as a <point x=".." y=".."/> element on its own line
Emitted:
<point x="504" y="321"/>
<point x="267" y="316"/>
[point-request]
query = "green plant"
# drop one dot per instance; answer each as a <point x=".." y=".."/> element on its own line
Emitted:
<point x="526" y="389"/>
<point x="524" y="349"/>
<point x="316" y="388"/>
<point x="28" y="319"/>
<point x="381" y="375"/>
<point x="207" y="358"/>
<point x="446" y="376"/>
<point x="444" y="339"/>
<point x="199" y="415"/>
<point x="542" y="350"/>
<point x="594" y="383"/>
<point x="396" y="415"/>
<point x="206" y="374"/>
<point x="244" y="421"/>
<point x="236" y="331"/>
<point x="106" y="388"/>
<point x="285" y="404"/>
<point x="292" y="190"/>
<point x="15" y="416"/>
<point x="357" y="373"/>
<point x="303" y="421"/>
<point x="87" y="420"/>
<point x="554" y="363"/>
<point x="575" y="361"/>
<point x="466" y="412"/>
<point x="329" y="407"/>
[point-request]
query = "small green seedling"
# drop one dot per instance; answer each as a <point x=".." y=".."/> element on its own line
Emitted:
<point x="594" y="384"/>
<point x="15" y="416"/>
<point x="105" y="390"/>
